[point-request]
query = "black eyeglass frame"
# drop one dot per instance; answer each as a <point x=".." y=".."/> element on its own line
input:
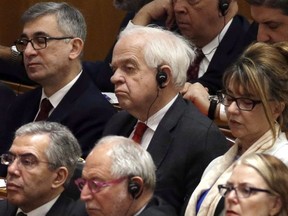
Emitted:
<point x="22" y="43"/>
<point x="222" y="94"/>
<point x="228" y="189"/>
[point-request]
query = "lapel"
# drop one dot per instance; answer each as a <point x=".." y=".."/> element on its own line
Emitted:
<point x="72" y="95"/>
<point x="233" y="38"/>
<point x="8" y="209"/>
<point x="31" y="107"/>
<point x="163" y="136"/>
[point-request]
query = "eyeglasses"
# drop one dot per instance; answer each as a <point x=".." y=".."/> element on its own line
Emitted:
<point x="95" y="186"/>
<point x="242" y="191"/>
<point x="28" y="161"/>
<point x="37" y="43"/>
<point x="245" y="104"/>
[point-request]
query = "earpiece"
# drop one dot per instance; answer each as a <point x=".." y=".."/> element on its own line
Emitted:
<point x="161" y="77"/>
<point x="134" y="188"/>
<point x="223" y="6"/>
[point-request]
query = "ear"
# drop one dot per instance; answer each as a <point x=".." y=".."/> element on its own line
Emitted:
<point x="61" y="175"/>
<point x="77" y="46"/>
<point x="277" y="205"/>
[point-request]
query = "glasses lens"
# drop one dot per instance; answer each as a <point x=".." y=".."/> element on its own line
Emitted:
<point x="21" y="44"/>
<point x="7" y="159"/>
<point x="80" y="182"/>
<point x="39" y="43"/>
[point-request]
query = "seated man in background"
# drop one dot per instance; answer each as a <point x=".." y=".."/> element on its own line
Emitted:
<point x="272" y="19"/>
<point x="129" y="172"/>
<point x="40" y="163"/>
<point x="150" y="67"/>
<point x="11" y="68"/>
<point x="52" y="43"/>
<point x="214" y="28"/>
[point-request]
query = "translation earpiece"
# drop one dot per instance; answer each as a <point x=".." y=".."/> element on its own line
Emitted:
<point x="161" y="78"/>
<point x="134" y="188"/>
<point x="223" y="6"/>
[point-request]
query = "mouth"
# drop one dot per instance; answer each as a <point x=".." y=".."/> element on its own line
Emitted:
<point x="230" y="213"/>
<point x="12" y="186"/>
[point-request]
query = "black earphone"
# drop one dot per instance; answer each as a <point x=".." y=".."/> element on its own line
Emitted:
<point x="223" y="6"/>
<point x="161" y="77"/>
<point x="134" y="188"/>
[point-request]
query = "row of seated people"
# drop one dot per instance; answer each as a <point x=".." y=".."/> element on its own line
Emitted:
<point x="147" y="86"/>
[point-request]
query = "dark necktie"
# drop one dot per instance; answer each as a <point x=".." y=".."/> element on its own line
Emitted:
<point x="139" y="131"/>
<point x="193" y="70"/>
<point x="21" y="214"/>
<point x="45" y="108"/>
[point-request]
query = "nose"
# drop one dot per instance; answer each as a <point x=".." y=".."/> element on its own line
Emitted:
<point x="231" y="196"/>
<point x="117" y="77"/>
<point x="262" y="35"/>
<point x="232" y="108"/>
<point x="13" y="168"/>
<point x="179" y="6"/>
<point x="86" y="193"/>
<point x="29" y="50"/>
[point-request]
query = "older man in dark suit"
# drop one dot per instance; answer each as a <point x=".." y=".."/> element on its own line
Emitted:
<point x="52" y="43"/>
<point x="150" y="67"/>
<point x="40" y="163"/>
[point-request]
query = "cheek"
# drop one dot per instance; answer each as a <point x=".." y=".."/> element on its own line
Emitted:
<point x="259" y="207"/>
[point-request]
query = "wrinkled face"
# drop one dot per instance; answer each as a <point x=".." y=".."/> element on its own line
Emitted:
<point x="135" y="83"/>
<point x="258" y="203"/>
<point x="112" y="200"/>
<point x="248" y="126"/>
<point x="273" y="24"/>
<point x="30" y="187"/>
<point x="51" y="64"/>
<point x="198" y="20"/>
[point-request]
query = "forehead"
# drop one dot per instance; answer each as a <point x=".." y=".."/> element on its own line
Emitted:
<point x="246" y="174"/>
<point x="262" y="14"/>
<point x="46" y="24"/>
<point x="34" y="144"/>
<point x="98" y="164"/>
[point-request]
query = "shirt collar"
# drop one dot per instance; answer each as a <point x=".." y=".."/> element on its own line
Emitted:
<point x="211" y="47"/>
<point x="58" y="96"/>
<point x="42" y="210"/>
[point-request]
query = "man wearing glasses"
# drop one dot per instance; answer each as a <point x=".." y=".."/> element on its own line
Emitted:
<point x="41" y="161"/>
<point x="52" y="43"/>
<point x="119" y="179"/>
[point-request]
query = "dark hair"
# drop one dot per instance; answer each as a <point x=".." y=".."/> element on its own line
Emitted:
<point x="277" y="4"/>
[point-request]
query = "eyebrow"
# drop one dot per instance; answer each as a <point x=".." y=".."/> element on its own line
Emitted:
<point x="36" y="34"/>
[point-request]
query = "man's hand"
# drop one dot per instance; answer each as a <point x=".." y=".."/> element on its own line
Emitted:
<point x="154" y="11"/>
<point x="198" y="95"/>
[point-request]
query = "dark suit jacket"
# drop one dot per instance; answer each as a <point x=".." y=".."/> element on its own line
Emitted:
<point x="158" y="207"/>
<point x="7" y="96"/>
<point x="64" y="206"/>
<point x="84" y="110"/>
<point x="230" y="47"/>
<point x="183" y="144"/>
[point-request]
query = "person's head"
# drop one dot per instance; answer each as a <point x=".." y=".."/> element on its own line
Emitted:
<point x="40" y="162"/>
<point x="260" y="77"/>
<point x="202" y="20"/>
<point x="58" y="32"/>
<point x="258" y="186"/>
<point x="272" y="16"/>
<point x="118" y="178"/>
<point x="149" y="67"/>
<point x="130" y="5"/>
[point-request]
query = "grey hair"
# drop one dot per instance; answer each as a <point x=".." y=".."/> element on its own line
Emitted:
<point x="163" y="47"/>
<point x="129" y="159"/>
<point x="64" y="149"/>
<point x="69" y="19"/>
